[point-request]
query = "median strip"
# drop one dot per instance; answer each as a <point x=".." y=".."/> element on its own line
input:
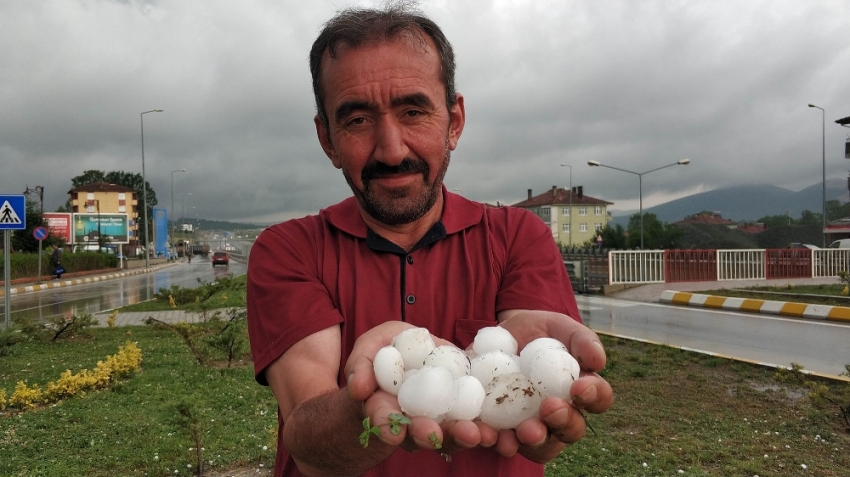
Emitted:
<point x="791" y="309"/>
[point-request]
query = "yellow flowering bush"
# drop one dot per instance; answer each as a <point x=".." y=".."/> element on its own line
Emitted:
<point x="116" y="366"/>
<point x="2" y="399"/>
<point x="111" y="320"/>
<point x="171" y="302"/>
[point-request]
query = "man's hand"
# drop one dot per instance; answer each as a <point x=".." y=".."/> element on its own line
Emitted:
<point x="560" y="422"/>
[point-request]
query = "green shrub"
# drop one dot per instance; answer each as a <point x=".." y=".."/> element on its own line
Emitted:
<point x="25" y="265"/>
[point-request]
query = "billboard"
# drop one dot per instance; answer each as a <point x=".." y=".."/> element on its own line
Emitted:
<point x="160" y="232"/>
<point x="59" y="225"/>
<point x="112" y="227"/>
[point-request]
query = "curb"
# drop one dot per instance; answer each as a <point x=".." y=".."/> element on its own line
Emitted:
<point x="791" y="309"/>
<point x="76" y="281"/>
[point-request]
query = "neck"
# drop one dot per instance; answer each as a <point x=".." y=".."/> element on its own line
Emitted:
<point x="406" y="236"/>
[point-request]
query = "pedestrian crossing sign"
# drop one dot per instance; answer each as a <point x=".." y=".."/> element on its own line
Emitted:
<point x="13" y="212"/>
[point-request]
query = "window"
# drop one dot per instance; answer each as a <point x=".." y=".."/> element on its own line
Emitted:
<point x="90" y="208"/>
<point x="597" y="210"/>
<point x="122" y="208"/>
<point x="565" y="228"/>
<point x="565" y="211"/>
<point x="90" y="195"/>
<point x="582" y="211"/>
<point x="547" y="210"/>
<point x="597" y="227"/>
<point x="122" y="196"/>
<point x="582" y="227"/>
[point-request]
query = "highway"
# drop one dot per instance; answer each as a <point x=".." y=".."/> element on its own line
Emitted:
<point x="114" y="293"/>
<point x="821" y="347"/>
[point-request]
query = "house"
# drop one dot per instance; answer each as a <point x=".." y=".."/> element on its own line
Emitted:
<point x="105" y="198"/>
<point x="573" y="217"/>
<point x="710" y="218"/>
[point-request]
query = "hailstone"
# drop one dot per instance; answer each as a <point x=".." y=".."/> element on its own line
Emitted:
<point x="509" y="400"/>
<point x="429" y="393"/>
<point x="389" y="369"/>
<point x="553" y="371"/>
<point x="469" y="395"/>
<point x="494" y="338"/>
<point x="531" y="348"/>
<point x="451" y="357"/>
<point x="487" y="366"/>
<point x="414" y="344"/>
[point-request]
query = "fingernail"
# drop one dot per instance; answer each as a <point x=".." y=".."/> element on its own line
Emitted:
<point x="588" y="395"/>
<point x="598" y="344"/>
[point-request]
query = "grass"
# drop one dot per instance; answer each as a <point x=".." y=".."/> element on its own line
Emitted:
<point x="676" y="413"/>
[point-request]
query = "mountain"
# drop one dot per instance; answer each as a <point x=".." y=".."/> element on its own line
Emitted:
<point x="746" y="203"/>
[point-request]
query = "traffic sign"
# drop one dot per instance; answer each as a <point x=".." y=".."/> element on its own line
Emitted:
<point x="40" y="233"/>
<point x="13" y="212"/>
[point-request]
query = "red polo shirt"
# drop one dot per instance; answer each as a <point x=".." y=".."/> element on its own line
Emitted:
<point x="308" y="274"/>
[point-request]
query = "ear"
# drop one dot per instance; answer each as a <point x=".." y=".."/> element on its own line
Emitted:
<point x="325" y="141"/>
<point x="458" y="117"/>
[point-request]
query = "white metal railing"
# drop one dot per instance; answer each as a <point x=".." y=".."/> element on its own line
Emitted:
<point x="827" y="262"/>
<point x="636" y="266"/>
<point x="740" y="265"/>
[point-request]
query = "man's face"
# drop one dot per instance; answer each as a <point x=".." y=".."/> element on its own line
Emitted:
<point x="390" y="131"/>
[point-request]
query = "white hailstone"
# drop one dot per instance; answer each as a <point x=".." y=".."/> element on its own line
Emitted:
<point x="494" y="338"/>
<point x="553" y="371"/>
<point x="429" y="393"/>
<point x="389" y="369"/>
<point x="509" y="400"/>
<point x="469" y="396"/>
<point x="414" y="344"/>
<point x="533" y="347"/>
<point x="451" y="357"/>
<point x="487" y="366"/>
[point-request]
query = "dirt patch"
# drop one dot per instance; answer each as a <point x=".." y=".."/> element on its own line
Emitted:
<point x="245" y="471"/>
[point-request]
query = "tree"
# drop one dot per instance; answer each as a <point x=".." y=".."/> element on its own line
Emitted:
<point x="614" y="237"/>
<point x="772" y="221"/>
<point x="810" y="218"/>
<point x="657" y="235"/>
<point x="23" y="240"/>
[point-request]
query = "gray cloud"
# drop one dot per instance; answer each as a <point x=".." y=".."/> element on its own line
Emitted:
<point x="634" y="85"/>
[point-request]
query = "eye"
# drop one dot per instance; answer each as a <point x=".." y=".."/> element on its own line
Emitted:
<point x="356" y="121"/>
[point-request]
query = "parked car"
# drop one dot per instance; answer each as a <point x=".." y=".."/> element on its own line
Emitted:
<point x="841" y="243"/>
<point x="803" y="245"/>
<point x="220" y="258"/>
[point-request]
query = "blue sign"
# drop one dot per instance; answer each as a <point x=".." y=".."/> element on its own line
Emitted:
<point x="40" y="233"/>
<point x="13" y="212"/>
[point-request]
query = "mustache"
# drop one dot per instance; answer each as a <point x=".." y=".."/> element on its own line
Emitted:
<point x="406" y="166"/>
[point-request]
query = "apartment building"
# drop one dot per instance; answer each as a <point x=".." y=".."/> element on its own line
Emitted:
<point x="573" y="217"/>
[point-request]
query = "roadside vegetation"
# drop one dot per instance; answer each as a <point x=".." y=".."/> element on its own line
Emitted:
<point x="676" y="412"/>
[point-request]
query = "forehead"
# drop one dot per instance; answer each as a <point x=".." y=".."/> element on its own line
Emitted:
<point x="401" y="62"/>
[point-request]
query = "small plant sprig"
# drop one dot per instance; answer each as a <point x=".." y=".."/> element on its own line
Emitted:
<point x="396" y="421"/>
<point x="435" y="441"/>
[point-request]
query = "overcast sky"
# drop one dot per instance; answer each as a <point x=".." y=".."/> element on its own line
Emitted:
<point x="634" y="85"/>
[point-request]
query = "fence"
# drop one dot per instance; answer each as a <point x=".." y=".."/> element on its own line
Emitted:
<point x="664" y="266"/>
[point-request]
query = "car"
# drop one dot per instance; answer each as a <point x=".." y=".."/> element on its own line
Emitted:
<point x="803" y="245"/>
<point x="220" y="258"/>
<point x="840" y="243"/>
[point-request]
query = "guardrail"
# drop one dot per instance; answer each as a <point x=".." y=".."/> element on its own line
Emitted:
<point x="661" y="266"/>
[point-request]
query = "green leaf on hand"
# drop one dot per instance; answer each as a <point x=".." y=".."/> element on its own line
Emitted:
<point x="396" y="420"/>
<point x="368" y="431"/>
<point x="435" y="441"/>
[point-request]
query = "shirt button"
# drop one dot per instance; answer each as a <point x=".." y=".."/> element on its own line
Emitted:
<point x="411" y="299"/>
<point x="410" y="259"/>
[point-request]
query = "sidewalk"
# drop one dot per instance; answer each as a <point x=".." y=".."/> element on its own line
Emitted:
<point x="652" y="292"/>
<point x="137" y="318"/>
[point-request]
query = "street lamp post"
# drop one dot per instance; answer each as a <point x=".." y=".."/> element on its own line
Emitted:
<point x="172" y="204"/>
<point x="682" y="162"/>
<point x="823" y="179"/>
<point x="145" y="188"/>
<point x="571" y="202"/>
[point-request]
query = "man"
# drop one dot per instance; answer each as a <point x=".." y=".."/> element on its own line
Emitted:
<point x="56" y="261"/>
<point x="326" y="292"/>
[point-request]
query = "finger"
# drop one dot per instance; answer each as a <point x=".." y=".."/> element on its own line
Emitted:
<point x="425" y="433"/>
<point x="587" y="349"/>
<point x="532" y="432"/>
<point x="489" y="434"/>
<point x="564" y="421"/>
<point x="361" y="381"/>
<point x="507" y="445"/>
<point x="592" y="393"/>
<point x="459" y="435"/>
<point x="379" y="407"/>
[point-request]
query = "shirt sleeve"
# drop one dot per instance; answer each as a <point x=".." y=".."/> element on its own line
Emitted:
<point x="286" y="301"/>
<point x="534" y="275"/>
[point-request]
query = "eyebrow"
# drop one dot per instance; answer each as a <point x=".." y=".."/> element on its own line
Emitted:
<point x="415" y="99"/>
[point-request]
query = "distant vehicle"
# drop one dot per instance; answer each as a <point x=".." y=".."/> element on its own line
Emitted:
<point x="841" y="243"/>
<point x="220" y="258"/>
<point x="803" y="245"/>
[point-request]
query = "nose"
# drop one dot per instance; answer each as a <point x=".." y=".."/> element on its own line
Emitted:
<point x="390" y="146"/>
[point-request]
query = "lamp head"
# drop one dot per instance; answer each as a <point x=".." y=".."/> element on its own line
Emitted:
<point x="684" y="162"/>
<point x="593" y="163"/>
<point x="812" y="106"/>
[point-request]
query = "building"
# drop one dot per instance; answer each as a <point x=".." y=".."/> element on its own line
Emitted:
<point x="105" y="198"/>
<point x="573" y="217"/>
<point x="709" y="218"/>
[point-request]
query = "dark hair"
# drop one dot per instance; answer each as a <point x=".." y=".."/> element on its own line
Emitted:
<point x="358" y="26"/>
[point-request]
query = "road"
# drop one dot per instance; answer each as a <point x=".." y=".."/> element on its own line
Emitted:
<point x="114" y="293"/>
<point x="821" y="347"/>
